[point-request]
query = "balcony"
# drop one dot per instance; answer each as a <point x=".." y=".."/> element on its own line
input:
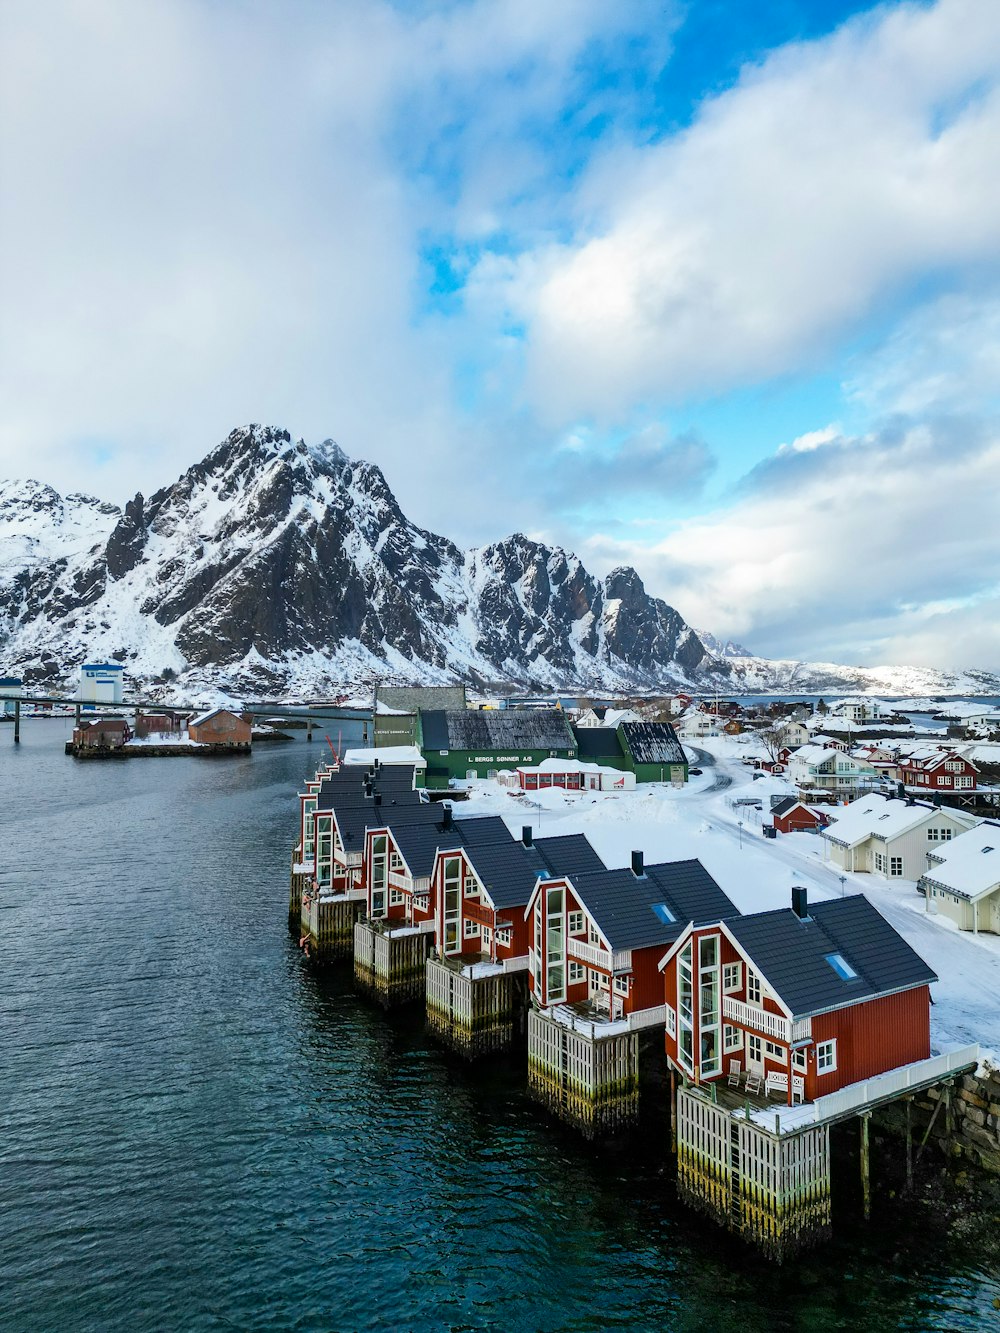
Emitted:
<point x="596" y="957"/>
<point x="769" y="1025"/>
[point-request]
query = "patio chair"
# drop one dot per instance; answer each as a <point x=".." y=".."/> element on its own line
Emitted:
<point x="755" y="1079"/>
<point x="735" y="1074"/>
<point x="798" y="1088"/>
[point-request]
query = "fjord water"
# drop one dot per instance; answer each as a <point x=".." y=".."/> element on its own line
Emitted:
<point x="197" y="1132"/>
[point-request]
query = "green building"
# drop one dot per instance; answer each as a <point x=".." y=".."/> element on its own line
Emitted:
<point x="459" y="743"/>
<point x="650" y="750"/>
<point x="397" y="707"/>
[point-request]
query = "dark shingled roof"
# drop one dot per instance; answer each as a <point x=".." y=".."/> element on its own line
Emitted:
<point x="569" y="854"/>
<point x="783" y="806"/>
<point x="623" y="904"/>
<point x="347" y="786"/>
<point x="597" y="743"/>
<point x="496" y="729"/>
<point x="353" y="820"/>
<point x="791" y="954"/>
<point x="652" y="742"/>
<point x="419" y="843"/>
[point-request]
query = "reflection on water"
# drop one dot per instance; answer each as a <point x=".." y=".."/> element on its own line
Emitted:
<point x="200" y="1133"/>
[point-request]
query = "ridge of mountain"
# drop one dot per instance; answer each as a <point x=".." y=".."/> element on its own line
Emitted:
<point x="273" y="565"/>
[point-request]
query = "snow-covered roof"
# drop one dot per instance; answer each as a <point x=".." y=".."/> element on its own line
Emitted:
<point x="386" y="754"/>
<point x="564" y="766"/>
<point x="879" y="816"/>
<point x="815" y="754"/>
<point x="970" y="864"/>
<point x="212" y="712"/>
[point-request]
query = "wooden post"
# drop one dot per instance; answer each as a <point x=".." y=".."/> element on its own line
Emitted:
<point x="17" y="721"/>
<point x="909" y="1146"/>
<point x="866" y="1184"/>
<point x="309" y="731"/>
<point x="77" y="715"/>
<point x="673" y="1111"/>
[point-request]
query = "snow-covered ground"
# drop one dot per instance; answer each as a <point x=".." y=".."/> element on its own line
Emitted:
<point x="703" y="820"/>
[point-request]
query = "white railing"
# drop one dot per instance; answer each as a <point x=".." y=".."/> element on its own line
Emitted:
<point x="648" y="1018"/>
<point x="597" y="957"/>
<point x="518" y="964"/>
<point x="872" y="1091"/>
<point x="771" y="1025"/>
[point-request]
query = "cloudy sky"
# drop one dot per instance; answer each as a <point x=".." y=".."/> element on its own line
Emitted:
<point x="706" y="287"/>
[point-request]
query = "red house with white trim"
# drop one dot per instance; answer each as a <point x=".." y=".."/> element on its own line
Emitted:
<point x="809" y="998"/>
<point x="938" y="770"/>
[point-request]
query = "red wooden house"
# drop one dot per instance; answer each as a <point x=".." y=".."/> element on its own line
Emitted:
<point x="791" y="816"/>
<point x="938" y="770"/>
<point x="597" y="937"/>
<point x="810" y="998"/>
<point x="102" y="733"/>
<point x="220" y="727"/>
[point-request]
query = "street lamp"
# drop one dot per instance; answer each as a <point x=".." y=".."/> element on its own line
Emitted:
<point x="843" y="881"/>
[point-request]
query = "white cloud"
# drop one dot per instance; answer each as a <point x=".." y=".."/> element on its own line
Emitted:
<point x="882" y="549"/>
<point x="800" y="202"/>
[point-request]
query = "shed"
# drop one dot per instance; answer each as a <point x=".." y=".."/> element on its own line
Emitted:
<point x="220" y="727"/>
<point x="654" y="752"/>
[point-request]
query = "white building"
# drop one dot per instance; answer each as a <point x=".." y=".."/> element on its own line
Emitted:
<point x="101" y="683"/>
<point x="891" y="837"/>
<point x="10" y="689"/>
<point x="962" y="880"/>
<point x="818" y="768"/>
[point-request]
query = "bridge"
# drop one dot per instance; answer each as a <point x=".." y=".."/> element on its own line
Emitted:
<point x="313" y="713"/>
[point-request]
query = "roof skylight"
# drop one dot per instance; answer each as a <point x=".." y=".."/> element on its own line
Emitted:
<point x="841" y="966"/>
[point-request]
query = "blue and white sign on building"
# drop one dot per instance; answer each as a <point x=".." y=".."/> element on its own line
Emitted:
<point x="101" y="682"/>
<point x="10" y="689"/>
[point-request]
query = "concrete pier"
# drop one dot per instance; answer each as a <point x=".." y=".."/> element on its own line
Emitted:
<point x="590" y="1080"/>
<point x="390" y="961"/>
<point x="474" y="1009"/>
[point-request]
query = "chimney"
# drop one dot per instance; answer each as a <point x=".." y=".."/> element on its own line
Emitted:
<point x="368" y="787"/>
<point x="800" y="902"/>
<point x="526" y="837"/>
<point x="378" y="798"/>
<point x="637" y="868"/>
<point x="937" y="800"/>
<point x="446" y="816"/>
<point x="376" y="765"/>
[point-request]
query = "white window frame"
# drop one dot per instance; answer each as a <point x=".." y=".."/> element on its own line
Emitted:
<point x="671" y="1021"/>
<point x="503" y="935"/>
<point x="396" y="897"/>
<point x="826" y="1056"/>
<point x="574" y="972"/>
<point x="575" y="923"/>
<point x="732" y="1038"/>
<point x="755" y="988"/>
<point x="621" y="985"/>
<point x="470" y="928"/>
<point x="732" y="977"/>
<point x="895" y="867"/>
<point x="775" y="1052"/>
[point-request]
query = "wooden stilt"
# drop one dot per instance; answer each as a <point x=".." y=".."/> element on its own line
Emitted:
<point x="17" y="721"/>
<point x="866" y="1184"/>
<point x="909" y="1145"/>
<point x="673" y="1111"/>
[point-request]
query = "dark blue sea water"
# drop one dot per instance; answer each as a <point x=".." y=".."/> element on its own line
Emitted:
<point x="197" y="1132"/>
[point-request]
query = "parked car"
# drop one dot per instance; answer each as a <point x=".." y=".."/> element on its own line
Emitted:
<point x="694" y="772"/>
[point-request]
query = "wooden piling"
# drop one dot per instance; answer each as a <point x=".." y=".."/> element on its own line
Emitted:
<point x="474" y="1015"/>
<point x="866" y="1184"/>
<point x="772" y="1189"/>
<point x="17" y="721"/>
<point x="590" y="1080"/>
<point x="390" y="965"/>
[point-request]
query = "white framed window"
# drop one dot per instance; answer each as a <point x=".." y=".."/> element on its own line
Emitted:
<point x="799" y="1059"/>
<point x="826" y="1057"/>
<point x="732" y="976"/>
<point x="963" y="782"/>
<point x="593" y="937"/>
<point x="395" y="897"/>
<point x="576" y="923"/>
<point x="621" y="985"/>
<point x="755" y="1052"/>
<point x="395" y="861"/>
<point x="732" y="1037"/>
<point x="754" y="988"/>
<point x="503" y="935"/>
<point x="671" y="1021"/>
<point x="471" y="928"/>
<point x="895" y="865"/>
<point x="471" y="887"/>
<point x="880" y="862"/>
<point x="575" y="972"/>
<point x="487" y="936"/>
<point x="776" y="1052"/>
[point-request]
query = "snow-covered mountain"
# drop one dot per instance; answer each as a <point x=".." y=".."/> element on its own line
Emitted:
<point x="273" y="565"/>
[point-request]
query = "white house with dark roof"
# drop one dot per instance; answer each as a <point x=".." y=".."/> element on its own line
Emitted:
<point x="891" y="837"/>
<point x="962" y="879"/>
